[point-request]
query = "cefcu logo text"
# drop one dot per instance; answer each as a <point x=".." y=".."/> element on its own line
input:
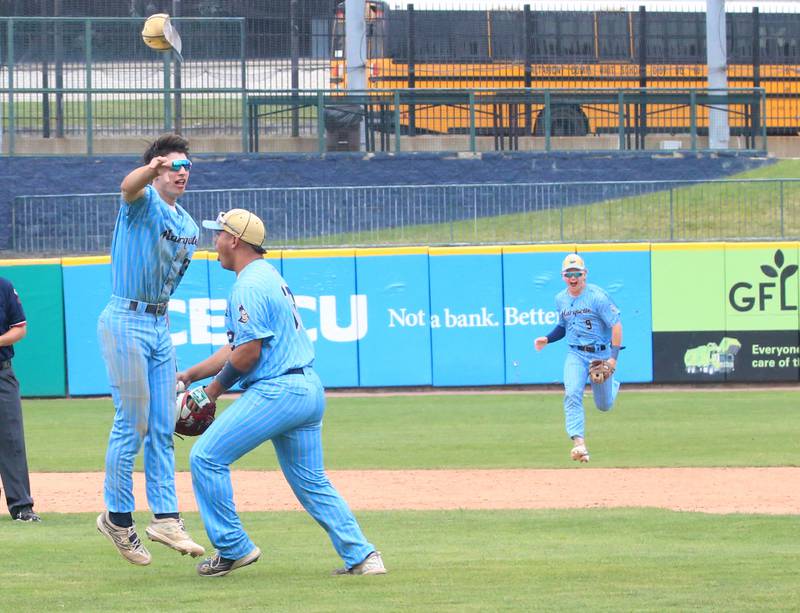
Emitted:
<point x="207" y="319"/>
<point x="744" y="296"/>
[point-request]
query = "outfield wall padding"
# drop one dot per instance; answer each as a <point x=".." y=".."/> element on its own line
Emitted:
<point x="39" y="357"/>
<point x="726" y="312"/>
<point x="455" y="316"/>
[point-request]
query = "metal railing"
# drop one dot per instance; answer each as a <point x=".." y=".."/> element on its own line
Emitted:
<point x="88" y="85"/>
<point x="446" y="214"/>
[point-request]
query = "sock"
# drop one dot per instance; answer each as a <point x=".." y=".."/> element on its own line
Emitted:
<point x="165" y="515"/>
<point x="123" y="520"/>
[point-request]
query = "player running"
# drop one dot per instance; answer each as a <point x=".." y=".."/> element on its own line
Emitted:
<point x="154" y="240"/>
<point x="270" y="355"/>
<point x="591" y="322"/>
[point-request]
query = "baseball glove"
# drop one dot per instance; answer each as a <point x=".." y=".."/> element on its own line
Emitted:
<point x="194" y="412"/>
<point x="600" y="371"/>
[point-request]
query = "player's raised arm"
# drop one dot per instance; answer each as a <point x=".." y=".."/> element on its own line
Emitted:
<point x="132" y="186"/>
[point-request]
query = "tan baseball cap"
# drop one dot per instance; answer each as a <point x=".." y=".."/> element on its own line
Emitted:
<point x="242" y="224"/>
<point x="573" y="262"/>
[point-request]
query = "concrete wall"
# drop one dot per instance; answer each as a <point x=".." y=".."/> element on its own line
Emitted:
<point x="777" y="146"/>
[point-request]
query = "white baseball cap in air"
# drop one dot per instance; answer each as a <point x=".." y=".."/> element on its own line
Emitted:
<point x="573" y="262"/>
<point x="242" y="224"/>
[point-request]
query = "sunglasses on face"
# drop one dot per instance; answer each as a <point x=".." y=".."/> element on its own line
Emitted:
<point x="178" y="164"/>
<point x="573" y="275"/>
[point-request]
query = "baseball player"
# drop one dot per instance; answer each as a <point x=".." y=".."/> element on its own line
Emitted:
<point x="13" y="460"/>
<point x="270" y="355"/>
<point x="591" y="323"/>
<point x="154" y="240"/>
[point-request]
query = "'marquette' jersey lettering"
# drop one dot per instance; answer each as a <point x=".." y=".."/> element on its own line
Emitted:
<point x="589" y="317"/>
<point x="152" y="247"/>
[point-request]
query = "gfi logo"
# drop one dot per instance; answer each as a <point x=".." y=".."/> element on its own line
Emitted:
<point x="207" y="319"/>
<point x="744" y="296"/>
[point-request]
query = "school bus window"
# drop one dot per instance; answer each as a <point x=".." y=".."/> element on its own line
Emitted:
<point x="469" y="40"/>
<point x="577" y="37"/>
<point x="544" y="37"/>
<point x="672" y="37"/>
<point x="506" y="36"/>
<point x="740" y="37"/>
<point x="780" y="37"/>
<point x="612" y="36"/>
<point x="684" y="38"/>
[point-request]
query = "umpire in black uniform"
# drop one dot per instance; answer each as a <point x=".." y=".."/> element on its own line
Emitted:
<point x="13" y="462"/>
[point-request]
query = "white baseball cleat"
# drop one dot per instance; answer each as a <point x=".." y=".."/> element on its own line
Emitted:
<point x="172" y="533"/>
<point x="372" y="565"/>
<point x="580" y="454"/>
<point x="125" y="539"/>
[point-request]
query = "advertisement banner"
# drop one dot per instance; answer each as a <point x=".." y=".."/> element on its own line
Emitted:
<point x="761" y="310"/>
<point x="334" y="314"/>
<point x="396" y="346"/>
<point x="531" y="280"/>
<point x="745" y="297"/>
<point x="38" y="283"/>
<point x="688" y="280"/>
<point x="466" y="288"/>
<point x="719" y="356"/>
<point x="761" y="286"/>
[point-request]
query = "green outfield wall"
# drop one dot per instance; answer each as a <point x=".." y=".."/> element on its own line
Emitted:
<point x="40" y="358"/>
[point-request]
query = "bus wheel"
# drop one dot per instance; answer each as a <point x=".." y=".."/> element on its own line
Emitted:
<point x="565" y="120"/>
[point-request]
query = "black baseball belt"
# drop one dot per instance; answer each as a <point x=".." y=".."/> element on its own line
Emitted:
<point x="589" y="348"/>
<point x="295" y="371"/>
<point x="152" y="309"/>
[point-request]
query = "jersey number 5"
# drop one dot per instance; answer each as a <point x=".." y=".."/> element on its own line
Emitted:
<point x="290" y="297"/>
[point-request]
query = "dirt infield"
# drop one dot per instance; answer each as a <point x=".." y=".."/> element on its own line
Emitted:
<point x="708" y="490"/>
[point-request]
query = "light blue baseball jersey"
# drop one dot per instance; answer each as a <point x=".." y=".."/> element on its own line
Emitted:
<point x="587" y="318"/>
<point x="261" y="306"/>
<point x="277" y="405"/>
<point x="152" y="247"/>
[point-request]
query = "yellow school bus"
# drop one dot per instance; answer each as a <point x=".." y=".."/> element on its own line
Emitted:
<point x="599" y="45"/>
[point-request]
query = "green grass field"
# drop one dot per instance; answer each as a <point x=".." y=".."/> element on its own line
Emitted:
<point x="645" y="429"/>
<point x="592" y="559"/>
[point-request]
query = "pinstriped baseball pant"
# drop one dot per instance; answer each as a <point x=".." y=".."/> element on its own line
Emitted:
<point x="576" y="373"/>
<point x="140" y="361"/>
<point x="288" y="411"/>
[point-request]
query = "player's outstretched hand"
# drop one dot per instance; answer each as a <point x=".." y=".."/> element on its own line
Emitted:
<point x="540" y="342"/>
<point x="160" y="164"/>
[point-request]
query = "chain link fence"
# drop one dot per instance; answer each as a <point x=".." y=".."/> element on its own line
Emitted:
<point x="445" y="214"/>
<point x="78" y="79"/>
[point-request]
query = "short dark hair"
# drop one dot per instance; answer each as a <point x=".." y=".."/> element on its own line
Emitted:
<point x="165" y="144"/>
<point x="256" y="248"/>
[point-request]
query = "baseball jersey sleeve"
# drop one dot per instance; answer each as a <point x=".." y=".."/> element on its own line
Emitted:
<point x="249" y="315"/>
<point x="139" y="207"/>
<point x="14" y="313"/>
<point x="607" y="310"/>
<point x="561" y="321"/>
